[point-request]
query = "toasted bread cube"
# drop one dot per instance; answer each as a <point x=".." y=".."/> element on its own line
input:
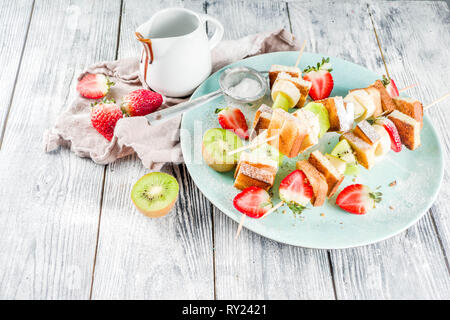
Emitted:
<point x="275" y="69"/>
<point x="410" y="107"/>
<point x="366" y="132"/>
<point x="317" y="181"/>
<point x="376" y="97"/>
<point x="249" y="176"/>
<point x="262" y="120"/>
<point x="289" y="131"/>
<point x="303" y="86"/>
<point x="333" y="177"/>
<point x="339" y="113"/>
<point x="310" y="121"/>
<point x="387" y="103"/>
<point x="408" y="129"/>
<point x="253" y="170"/>
<point x="365" y="152"/>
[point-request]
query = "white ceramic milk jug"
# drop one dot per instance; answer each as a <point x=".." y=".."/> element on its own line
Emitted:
<point x="176" y="57"/>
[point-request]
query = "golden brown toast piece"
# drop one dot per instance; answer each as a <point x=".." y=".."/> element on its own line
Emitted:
<point x="261" y="121"/>
<point x="331" y="174"/>
<point x="290" y="133"/>
<point x="340" y="118"/>
<point x="303" y="86"/>
<point x="366" y="132"/>
<point x="365" y="152"/>
<point x="387" y="103"/>
<point x="307" y="119"/>
<point x="275" y="69"/>
<point x="317" y="181"/>
<point x="410" y="107"/>
<point x="255" y="171"/>
<point x="408" y="129"/>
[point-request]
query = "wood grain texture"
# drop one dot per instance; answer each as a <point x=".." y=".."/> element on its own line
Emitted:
<point x="415" y="38"/>
<point x="50" y="202"/>
<point x="421" y="56"/>
<point x="409" y="265"/>
<point x="14" y="20"/>
<point x="143" y="258"/>
<point x="254" y="267"/>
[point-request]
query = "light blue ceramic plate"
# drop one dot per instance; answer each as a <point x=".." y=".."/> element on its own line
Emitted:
<point x="418" y="173"/>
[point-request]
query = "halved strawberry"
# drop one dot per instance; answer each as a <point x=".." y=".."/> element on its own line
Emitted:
<point x="321" y="78"/>
<point x="296" y="191"/>
<point x="396" y="143"/>
<point x="357" y="199"/>
<point x="94" y="86"/>
<point x="253" y="202"/>
<point x="233" y="119"/>
<point x="390" y="86"/>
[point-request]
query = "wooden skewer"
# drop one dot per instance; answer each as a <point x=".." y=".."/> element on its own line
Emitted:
<point x="252" y="145"/>
<point x="241" y="222"/>
<point x="300" y="53"/>
<point x="240" y="226"/>
<point x="408" y="87"/>
<point x="275" y="208"/>
<point x="436" y="101"/>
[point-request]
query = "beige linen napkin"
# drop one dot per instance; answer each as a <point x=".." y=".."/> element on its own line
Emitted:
<point x="154" y="145"/>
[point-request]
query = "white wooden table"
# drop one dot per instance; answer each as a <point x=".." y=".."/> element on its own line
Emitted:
<point x="67" y="227"/>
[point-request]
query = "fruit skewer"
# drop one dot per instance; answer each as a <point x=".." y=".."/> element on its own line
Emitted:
<point x="285" y="102"/>
<point x="296" y="190"/>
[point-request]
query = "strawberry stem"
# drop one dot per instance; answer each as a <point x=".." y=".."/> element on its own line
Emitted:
<point x="319" y="66"/>
<point x="385" y="80"/>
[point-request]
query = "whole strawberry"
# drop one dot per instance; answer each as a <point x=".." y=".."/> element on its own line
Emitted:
<point x="140" y="103"/>
<point x="104" y="116"/>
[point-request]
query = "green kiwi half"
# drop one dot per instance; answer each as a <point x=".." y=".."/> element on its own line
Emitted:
<point x="155" y="194"/>
<point x="215" y="147"/>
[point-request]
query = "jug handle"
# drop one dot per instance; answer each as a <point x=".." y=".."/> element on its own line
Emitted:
<point x="218" y="32"/>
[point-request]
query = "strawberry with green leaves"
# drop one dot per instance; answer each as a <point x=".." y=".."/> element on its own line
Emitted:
<point x="390" y="86"/>
<point x="296" y="191"/>
<point x="321" y="79"/>
<point x="358" y="199"/>
<point x="140" y="102"/>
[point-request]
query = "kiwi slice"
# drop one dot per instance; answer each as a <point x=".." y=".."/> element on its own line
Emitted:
<point x="344" y="151"/>
<point x="268" y="151"/>
<point x="322" y="114"/>
<point x="155" y="194"/>
<point x="215" y="147"/>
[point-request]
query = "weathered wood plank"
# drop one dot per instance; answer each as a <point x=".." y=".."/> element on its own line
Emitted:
<point x="143" y="258"/>
<point x="411" y="264"/>
<point x="415" y="39"/>
<point x="254" y="267"/>
<point x="50" y="202"/>
<point x="421" y="56"/>
<point x="14" y="20"/>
